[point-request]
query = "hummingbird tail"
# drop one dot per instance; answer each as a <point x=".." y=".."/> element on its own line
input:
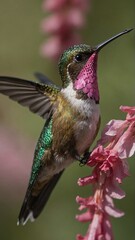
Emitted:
<point x="33" y="205"/>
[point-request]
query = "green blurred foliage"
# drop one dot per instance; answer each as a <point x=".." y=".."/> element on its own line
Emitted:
<point x="20" y="40"/>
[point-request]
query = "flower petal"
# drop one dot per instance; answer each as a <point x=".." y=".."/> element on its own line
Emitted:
<point x="126" y="144"/>
<point x="80" y="237"/>
<point x="87" y="180"/>
<point x="128" y="109"/>
<point x="113" y="189"/>
<point x="113" y="128"/>
<point x="114" y="212"/>
<point x="110" y="209"/>
<point x="84" y="217"/>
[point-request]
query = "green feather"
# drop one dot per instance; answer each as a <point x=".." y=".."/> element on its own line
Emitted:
<point x="44" y="142"/>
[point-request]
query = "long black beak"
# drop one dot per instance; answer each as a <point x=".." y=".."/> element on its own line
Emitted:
<point x="101" y="45"/>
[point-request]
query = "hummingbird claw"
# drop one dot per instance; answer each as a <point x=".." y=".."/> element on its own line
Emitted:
<point x="83" y="161"/>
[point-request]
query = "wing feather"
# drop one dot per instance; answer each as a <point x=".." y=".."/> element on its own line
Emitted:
<point x="39" y="98"/>
<point x="45" y="80"/>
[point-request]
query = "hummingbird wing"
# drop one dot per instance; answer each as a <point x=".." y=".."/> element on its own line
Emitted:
<point x="39" y="98"/>
<point x="45" y="80"/>
<point x="33" y="205"/>
<point x="42" y="180"/>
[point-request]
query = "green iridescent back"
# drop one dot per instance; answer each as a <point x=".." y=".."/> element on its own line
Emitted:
<point x="44" y="142"/>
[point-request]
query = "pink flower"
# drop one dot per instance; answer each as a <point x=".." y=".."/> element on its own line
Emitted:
<point x="117" y="143"/>
<point x="16" y="155"/>
<point x="54" y="47"/>
<point x="66" y="19"/>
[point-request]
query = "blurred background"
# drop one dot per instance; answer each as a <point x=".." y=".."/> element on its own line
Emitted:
<point x="20" y="46"/>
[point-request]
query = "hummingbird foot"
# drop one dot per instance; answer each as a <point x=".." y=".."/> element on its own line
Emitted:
<point x="83" y="160"/>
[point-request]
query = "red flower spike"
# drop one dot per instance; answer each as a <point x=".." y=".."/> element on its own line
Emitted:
<point x="109" y="160"/>
<point x="67" y="17"/>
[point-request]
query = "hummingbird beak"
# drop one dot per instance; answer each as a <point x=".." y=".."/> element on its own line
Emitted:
<point x="101" y="45"/>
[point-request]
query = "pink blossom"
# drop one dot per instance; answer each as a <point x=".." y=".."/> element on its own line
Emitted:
<point x="53" y="46"/>
<point x="109" y="160"/>
<point x="16" y="154"/>
<point x="67" y="17"/>
<point x="52" y="5"/>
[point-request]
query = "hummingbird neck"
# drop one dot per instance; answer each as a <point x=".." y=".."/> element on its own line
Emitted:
<point x="86" y="81"/>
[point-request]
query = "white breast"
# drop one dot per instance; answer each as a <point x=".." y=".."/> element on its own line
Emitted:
<point x="84" y="130"/>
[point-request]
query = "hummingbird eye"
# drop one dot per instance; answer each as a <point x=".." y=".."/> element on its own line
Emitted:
<point x="78" y="57"/>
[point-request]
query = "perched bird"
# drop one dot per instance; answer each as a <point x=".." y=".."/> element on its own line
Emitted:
<point x="72" y="120"/>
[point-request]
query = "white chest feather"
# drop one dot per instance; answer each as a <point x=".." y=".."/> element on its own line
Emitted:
<point x="85" y="130"/>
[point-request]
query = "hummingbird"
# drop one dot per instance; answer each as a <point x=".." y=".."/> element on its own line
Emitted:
<point x="72" y="116"/>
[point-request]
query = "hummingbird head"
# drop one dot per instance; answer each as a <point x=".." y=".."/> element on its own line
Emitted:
<point x="78" y="65"/>
<point x="72" y="61"/>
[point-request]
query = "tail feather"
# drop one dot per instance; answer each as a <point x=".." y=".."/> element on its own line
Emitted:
<point x="33" y="205"/>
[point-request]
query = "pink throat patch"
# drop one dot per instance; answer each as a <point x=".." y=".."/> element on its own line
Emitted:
<point x="87" y="78"/>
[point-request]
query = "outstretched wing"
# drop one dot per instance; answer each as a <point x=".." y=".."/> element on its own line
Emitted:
<point x="39" y="98"/>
